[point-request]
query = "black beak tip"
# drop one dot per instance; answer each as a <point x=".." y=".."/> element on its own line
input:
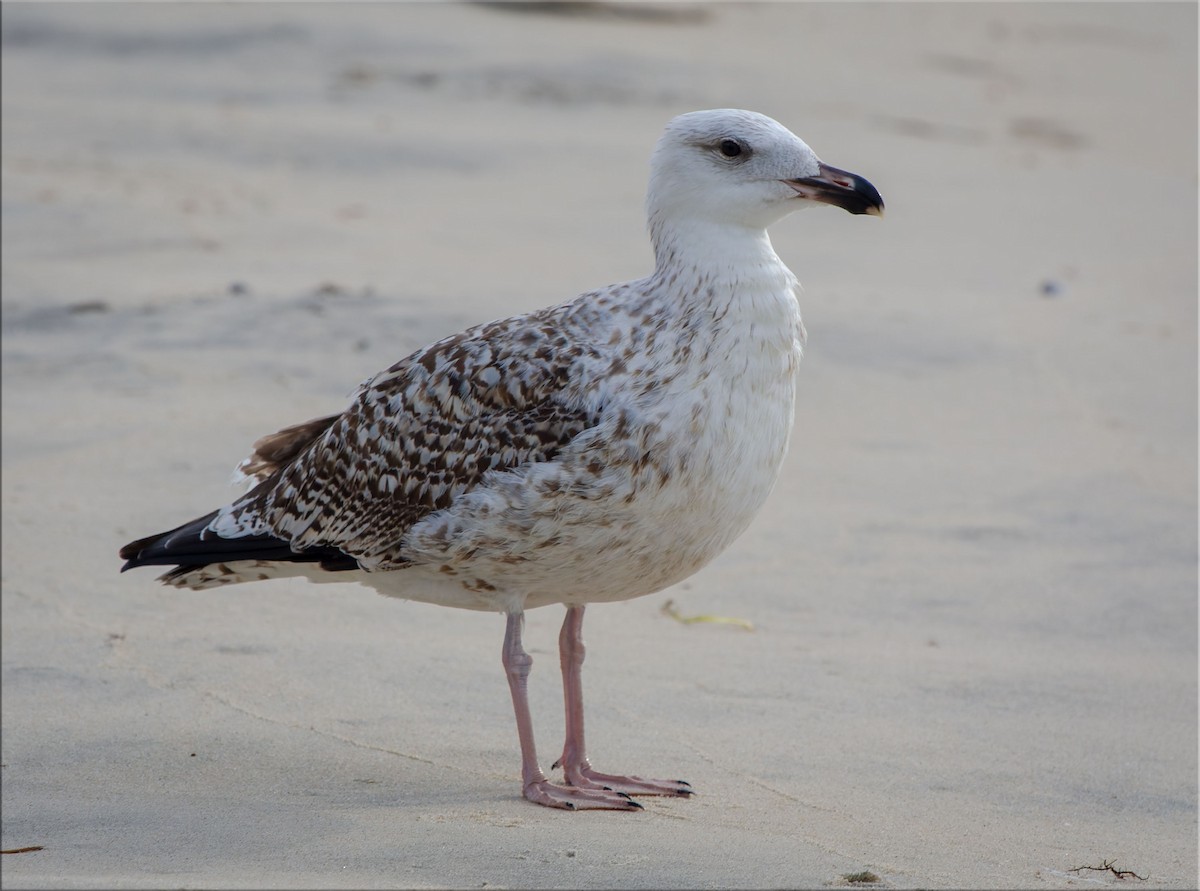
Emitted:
<point x="873" y="201"/>
<point x="861" y="198"/>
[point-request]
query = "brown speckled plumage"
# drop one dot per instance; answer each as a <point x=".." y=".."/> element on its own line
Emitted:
<point x="418" y="435"/>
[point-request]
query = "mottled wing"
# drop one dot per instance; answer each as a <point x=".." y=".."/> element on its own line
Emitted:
<point x="416" y="437"/>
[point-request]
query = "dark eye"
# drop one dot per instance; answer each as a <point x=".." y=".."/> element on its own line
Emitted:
<point x="730" y="148"/>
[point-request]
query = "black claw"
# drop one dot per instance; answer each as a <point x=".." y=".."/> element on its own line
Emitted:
<point x="634" y="805"/>
<point x="684" y="783"/>
<point x="556" y="765"/>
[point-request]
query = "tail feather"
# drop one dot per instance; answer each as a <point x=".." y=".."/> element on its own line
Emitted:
<point x="193" y="546"/>
<point x="216" y="575"/>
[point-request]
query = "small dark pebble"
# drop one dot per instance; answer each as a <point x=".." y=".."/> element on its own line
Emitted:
<point x="1051" y="288"/>
<point x="78" y="309"/>
<point x="238" y="289"/>
<point x="866" y="877"/>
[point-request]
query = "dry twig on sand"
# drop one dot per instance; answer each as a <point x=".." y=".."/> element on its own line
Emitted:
<point x="1108" y="866"/>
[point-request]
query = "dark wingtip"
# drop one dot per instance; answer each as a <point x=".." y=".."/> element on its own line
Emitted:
<point x="191" y="546"/>
<point x="163" y="547"/>
<point x="130" y="552"/>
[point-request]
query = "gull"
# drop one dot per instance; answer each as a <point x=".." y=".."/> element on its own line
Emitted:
<point x="598" y="450"/>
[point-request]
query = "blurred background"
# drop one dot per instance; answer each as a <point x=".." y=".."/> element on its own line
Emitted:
<point x="974" y="590"/>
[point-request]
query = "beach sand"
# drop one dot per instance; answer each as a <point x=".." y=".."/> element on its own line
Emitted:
<point x="973" y="591"/>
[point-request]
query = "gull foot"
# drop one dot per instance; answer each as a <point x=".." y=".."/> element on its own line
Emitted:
<point x="584" y="776"/>
<point x="575" y="798"/>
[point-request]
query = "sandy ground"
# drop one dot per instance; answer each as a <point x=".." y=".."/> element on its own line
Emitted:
<point x="973" y="592"/>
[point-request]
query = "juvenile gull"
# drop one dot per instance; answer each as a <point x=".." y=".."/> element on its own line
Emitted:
<point x="597" y="450"/>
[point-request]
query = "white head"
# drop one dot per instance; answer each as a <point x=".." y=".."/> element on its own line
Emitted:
<point x="741" y="168"/>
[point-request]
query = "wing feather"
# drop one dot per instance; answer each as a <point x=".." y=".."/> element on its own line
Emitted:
<point x="417" y="436"/>
<point x="270" y="453"/>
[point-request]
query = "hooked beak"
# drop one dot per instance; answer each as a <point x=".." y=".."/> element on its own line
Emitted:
<point x="841" y="188"/>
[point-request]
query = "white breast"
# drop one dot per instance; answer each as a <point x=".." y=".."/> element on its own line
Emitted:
<point x="692" y="438"/>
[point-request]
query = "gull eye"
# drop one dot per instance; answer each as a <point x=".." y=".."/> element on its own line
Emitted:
<point x="731" y="148"/>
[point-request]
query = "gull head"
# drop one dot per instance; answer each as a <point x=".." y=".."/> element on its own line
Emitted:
<point x="741" y="168"/>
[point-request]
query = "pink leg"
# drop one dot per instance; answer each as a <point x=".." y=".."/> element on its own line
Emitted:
<point x="576" y="768"/>
<point x="535" y="786"/>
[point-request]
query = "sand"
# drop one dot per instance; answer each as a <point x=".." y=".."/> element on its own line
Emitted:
<point x="973" y="591"/>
